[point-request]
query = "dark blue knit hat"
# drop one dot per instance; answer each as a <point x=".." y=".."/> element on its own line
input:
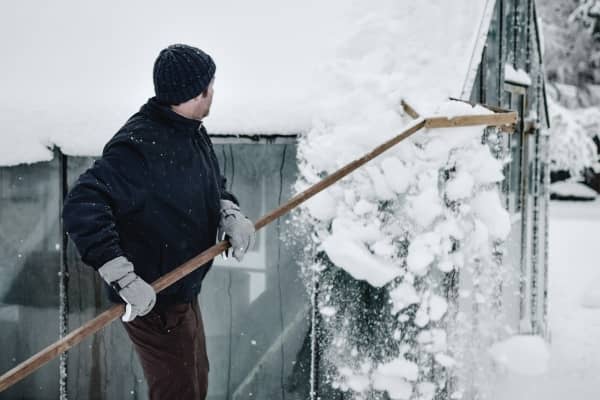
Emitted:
<point x="181" y="72"/>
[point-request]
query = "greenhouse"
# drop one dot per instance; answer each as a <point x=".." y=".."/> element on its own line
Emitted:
<point x="267" y="329"/>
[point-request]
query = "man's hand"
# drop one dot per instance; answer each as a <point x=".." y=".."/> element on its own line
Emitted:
<point x="139" y="296"/>
<point x="237" y="228"/>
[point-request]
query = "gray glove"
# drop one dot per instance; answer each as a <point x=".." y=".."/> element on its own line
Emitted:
<point x="139" y="296"/>
<point x="237" y="228"/>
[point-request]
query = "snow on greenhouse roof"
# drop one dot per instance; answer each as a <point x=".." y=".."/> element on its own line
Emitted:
<point x="72" y="72"/>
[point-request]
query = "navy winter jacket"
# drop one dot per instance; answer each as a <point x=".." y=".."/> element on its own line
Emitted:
<point x="153" y="197"/>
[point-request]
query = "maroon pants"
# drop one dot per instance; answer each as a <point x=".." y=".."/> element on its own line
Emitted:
<point x="171" y="346"/>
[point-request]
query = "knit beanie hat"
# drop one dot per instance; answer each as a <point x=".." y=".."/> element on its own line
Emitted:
<point x="181" y="72"/>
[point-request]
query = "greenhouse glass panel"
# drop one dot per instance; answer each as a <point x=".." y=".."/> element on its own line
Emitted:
<point x="29" y="265"/>
<point x="256" y="311"/>
<point x="103" y="366"/>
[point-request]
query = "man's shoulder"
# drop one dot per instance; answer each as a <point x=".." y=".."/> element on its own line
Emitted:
<point x="139" y="132"/>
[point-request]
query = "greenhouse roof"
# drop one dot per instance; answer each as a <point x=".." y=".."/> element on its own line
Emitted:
<point x="73" y="72"/>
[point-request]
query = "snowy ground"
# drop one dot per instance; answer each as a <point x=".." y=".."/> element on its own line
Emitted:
<point x="575" y="331"/>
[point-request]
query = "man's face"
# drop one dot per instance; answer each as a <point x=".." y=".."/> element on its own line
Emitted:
<point x="203" y="102"/>
<point x="209" y="96"/>
<point x="198" y="107"/>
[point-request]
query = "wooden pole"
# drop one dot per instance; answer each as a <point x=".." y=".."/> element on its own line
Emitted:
<point x="410" y="110"/>
<point x="76" y="336"/>
<point x="498" y="119"/>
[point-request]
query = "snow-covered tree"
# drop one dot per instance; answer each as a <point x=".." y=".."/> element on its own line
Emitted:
<point x="588" y="14"/>
<point x="571" y="40"/>
<point x="572" y="131"/>
<point x="572" y="57"/>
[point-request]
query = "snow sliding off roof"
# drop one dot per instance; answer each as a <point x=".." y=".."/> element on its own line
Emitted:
<point x="72" y="72"/>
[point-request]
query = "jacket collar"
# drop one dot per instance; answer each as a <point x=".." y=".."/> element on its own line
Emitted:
<point x="160" y="111"/>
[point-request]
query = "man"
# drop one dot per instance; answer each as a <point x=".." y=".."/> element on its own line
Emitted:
<point x="155" y="199"/>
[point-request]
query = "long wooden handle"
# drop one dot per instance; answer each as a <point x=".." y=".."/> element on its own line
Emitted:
<point x="76" y="336"/>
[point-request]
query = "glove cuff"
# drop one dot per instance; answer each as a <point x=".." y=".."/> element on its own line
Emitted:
<point x="115" y="270"/>
<point x="227" y="205"/>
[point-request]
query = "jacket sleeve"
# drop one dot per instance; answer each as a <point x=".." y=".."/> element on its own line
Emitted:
<point x="111" y="188"/>
<point x="225" y="195"/>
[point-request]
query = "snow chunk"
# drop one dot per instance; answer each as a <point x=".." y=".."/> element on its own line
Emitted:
<point x="425" y="207"/>
<point x="400" y="367"/>
<point x="363" y="207"/>
<point x="383" y="248"/>
<point x="355" y="258"/>
<point x="327" y="311"/>
<point x="322" y="206"/>
<point x="422" y="317"/>
<point x="356" y="230"/>
<point x="397" y="389"/>
<point x="395" y="377"/>
<point x="445" y="360"/>
<point x="488" y="208"/>
<point x="396" y="174"/>
<point x="357" y="382"/>
<point x="522" y="354"/>
<point x="437" y="307"/>
<point x="483" y="166"/>
<point x="480" y="237"/>
<point x="382" y="191"/>
<point x="518" y="76"/>
<point x="426" y="390"/>
<point x="433" y="308"/>
<point x="457" y="108"/>
<point x="433" y="340"/>
<point x="403" y="296"/>
<point x="445" y="265"/>
<point x="461" y="186"/>
<point x="422" y="251"/>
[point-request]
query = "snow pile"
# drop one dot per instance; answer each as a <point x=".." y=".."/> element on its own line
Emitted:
<point x="522" y="354"/>
<point x="572" y="190"/>
<point x="388" y="238"/>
